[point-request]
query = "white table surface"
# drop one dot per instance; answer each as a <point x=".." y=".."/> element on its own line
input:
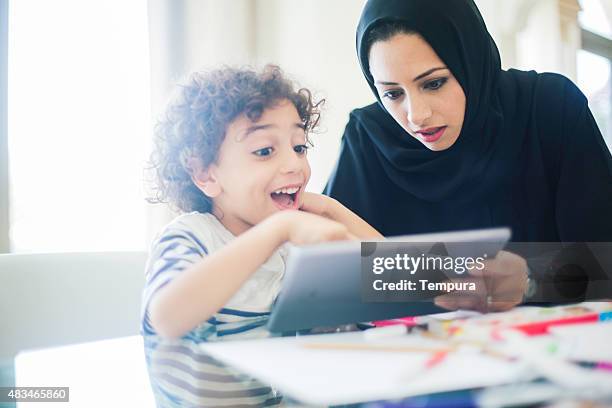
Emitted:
<point x="112" y="373"/>
<point x="108" y="373"/>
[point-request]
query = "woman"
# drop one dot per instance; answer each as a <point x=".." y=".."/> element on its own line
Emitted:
<point x="454" y="142"/>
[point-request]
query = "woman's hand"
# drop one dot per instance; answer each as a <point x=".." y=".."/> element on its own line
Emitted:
<point x="500" y="286"/>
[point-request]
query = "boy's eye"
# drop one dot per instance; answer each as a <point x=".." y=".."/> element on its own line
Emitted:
<point x="435" y="84"/>
<point x="392" y="94"/>
<point x="300" y="149"/>
<point x="266" y="151"/>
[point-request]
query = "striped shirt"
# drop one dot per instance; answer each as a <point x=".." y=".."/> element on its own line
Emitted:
<point x="181" y="374"/>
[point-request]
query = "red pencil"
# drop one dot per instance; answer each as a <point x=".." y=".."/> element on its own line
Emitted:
<point x="537" y="328"/>
<point x="436" y="359"/>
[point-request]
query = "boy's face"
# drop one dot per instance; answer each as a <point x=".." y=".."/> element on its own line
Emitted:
<point x="261" y="168"/>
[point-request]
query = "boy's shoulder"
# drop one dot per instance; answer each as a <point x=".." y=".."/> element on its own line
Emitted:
<point x="192" y="220"/>
<point x="202" y="228"/>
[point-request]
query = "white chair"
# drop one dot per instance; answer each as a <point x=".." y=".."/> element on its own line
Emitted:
<point x="55" y="299"/>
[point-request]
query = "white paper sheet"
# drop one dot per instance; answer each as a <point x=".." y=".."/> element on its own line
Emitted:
<point x="326" y="377"/>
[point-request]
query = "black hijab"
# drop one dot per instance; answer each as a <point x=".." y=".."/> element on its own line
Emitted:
<point x="457" y="32"/>
<point x="514" y="162"/>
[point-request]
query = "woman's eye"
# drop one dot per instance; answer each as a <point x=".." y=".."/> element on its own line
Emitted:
<point x="300" y="149"/>
<point x="435" y="84"/>
<point x="392" y="94"/>
<point x="266" y="151"/>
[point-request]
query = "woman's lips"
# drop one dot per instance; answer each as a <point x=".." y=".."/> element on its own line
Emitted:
<point x="434" y="137"/>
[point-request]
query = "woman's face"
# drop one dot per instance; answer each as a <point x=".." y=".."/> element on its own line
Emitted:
<point x="418" y="90"/>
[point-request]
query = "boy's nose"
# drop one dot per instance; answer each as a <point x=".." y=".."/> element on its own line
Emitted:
<point x="292" y="163"/>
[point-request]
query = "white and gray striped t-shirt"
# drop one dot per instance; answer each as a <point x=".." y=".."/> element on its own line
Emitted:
<point x="181" y="375"/>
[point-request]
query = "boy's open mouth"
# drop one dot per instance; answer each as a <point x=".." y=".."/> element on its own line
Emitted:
<point x="286" y="197"/>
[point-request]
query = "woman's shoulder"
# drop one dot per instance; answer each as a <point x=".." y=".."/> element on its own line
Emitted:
<point x="550" y="90"/>
<point x="558" y="100"/>
<point x="554" y="104"/>
<point x="557" y="85"/>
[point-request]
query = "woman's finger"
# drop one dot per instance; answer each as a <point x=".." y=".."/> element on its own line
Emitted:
<point x="454" y="302"/>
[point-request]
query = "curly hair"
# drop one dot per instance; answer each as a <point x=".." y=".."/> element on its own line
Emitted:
<point x="197" y="118"/>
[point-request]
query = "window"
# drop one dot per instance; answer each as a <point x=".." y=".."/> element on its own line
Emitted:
<point x="78" y="124"/>
<point x="594" y="66"/>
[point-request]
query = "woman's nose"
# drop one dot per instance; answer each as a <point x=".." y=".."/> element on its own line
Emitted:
<point x="417" y="111"/>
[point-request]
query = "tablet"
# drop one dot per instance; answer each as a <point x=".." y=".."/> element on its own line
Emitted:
<point x="322" y="285"/>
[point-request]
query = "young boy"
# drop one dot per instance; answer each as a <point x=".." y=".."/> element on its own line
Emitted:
<point x="231" y="154"/>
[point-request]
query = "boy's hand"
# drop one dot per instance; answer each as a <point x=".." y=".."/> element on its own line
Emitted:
<point x="302" y="228"/>
<point x="334" y="210"/>
<point x="316" y="204"/>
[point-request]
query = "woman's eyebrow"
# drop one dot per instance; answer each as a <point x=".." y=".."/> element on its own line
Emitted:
<point x="423" y="75"/>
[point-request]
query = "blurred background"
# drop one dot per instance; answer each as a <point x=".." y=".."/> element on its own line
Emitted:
<point x="82" y="82"/>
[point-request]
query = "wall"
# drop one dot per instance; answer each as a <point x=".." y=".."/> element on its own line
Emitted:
<point x="314" y="42"/>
